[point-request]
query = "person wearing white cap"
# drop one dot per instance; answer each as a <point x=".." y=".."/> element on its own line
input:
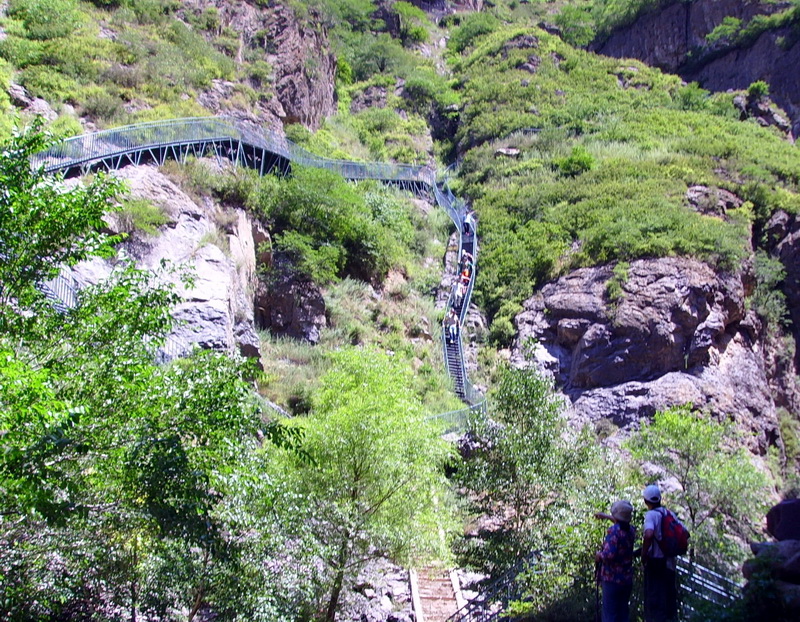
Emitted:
<point x="616" y="563"/>
<point x="660" y="592"/>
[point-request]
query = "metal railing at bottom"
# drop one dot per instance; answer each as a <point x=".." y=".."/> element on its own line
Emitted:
<point x="494" y="598"/>
<point x="699" y="589"/>
<point x="460" y="419"/>
<point x="702" y="588"/>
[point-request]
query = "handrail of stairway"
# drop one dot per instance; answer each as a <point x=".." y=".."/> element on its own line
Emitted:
<point x="479" y="609"/>
<point x="103" y="146"/>
<point x="695" y="583"/>
<point x="456" y="210"/>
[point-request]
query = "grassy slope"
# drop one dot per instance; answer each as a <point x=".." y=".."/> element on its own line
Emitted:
<point x="606" y="177"/>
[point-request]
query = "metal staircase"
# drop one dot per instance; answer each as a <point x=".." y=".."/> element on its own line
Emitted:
<point x="265" y="151"/>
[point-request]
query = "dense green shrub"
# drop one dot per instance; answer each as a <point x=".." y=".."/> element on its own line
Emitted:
<point x="326" y="226"/>
<point x="768" y="300"/>
<point x="41" y="81"/>
<point x="577" y="162"/>
<point x="424" y="86"/>
<point x="381" y="54"/>
<point x="413" y="22"/>
<point x="758" y="89"/>
<point x="470" y="29"/>
<point x="47" y="19"/>
<point x="141" y="215"/>
<point x="725" y="31"/>
<point x="577" y="24"/>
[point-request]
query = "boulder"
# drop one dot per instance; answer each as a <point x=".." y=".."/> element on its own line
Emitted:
<point x="764" y="112"/>
<point x="19" y="95"/>
<point x="305" y="67"/>
<point x="712" y="201"/>
<point x="531" y="65"/>
<point x="507" y="152"/>
<point x="520" y="42"/>
<point x="774" y="571"/>
<point x="783" y="520"/>
<point x="371" y="97"/>
<point x="672" y="337"/>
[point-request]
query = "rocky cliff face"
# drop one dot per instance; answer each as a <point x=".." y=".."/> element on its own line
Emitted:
<point x="679" y="333"/>
<point x="218" y="249"/>
<point x="299" y="52"/>
<point x="783" y="235"/>
<point x="665" y="39"/>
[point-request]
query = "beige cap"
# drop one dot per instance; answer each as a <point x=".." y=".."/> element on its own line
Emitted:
<point x="622" y="511"/>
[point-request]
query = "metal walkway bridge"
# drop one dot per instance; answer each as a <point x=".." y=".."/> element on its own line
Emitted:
<point x="264" y="151"/>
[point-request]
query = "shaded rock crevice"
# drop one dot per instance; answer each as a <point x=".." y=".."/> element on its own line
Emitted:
<point x="290" y="304"/>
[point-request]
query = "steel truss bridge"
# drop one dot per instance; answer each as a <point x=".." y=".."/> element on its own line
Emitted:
<point x="266" y="152"/>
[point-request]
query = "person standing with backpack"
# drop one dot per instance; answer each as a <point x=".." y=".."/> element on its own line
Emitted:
<point x="664" y="539"/>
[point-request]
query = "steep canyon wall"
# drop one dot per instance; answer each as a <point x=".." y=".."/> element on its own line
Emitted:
<point x="673" y="38"/>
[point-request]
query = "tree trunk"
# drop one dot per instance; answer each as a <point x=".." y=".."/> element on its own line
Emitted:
<point x="134" y="586"/>
<point x="201" y="590"/>
<point x="336" y="590"/>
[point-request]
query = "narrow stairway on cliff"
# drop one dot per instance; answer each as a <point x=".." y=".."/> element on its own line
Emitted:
<point x="437" y="595"/>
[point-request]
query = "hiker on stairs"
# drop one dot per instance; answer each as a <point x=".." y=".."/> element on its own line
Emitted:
<point x="451" y="326"/>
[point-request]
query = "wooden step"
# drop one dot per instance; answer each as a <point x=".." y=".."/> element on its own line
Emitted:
<point x="436" y="594"/>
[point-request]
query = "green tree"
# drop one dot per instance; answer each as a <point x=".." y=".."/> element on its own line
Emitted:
<point x="527" y="462"/>
<point x="720" y="493"/>
<point x="44" y="225"/>
<point x="119" y="477"/>
<point x="539" y="481"/>
<point x="375" y="482"/>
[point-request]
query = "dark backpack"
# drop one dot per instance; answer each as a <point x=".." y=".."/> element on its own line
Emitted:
<point x="674" y="536"/>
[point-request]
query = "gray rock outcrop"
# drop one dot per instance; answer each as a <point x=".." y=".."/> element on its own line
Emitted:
<point x="216" y="310"/>
<point x="299" y="52"/>
<point x="679" y="333"/>
<point x="380" y="593"/>
<point x="33" y="106"/>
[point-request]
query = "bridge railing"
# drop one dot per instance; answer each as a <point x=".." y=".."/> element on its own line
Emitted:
<point x="105" y="144"/>
<point x="110" y="145"/>
<point x="701" y="587"/>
